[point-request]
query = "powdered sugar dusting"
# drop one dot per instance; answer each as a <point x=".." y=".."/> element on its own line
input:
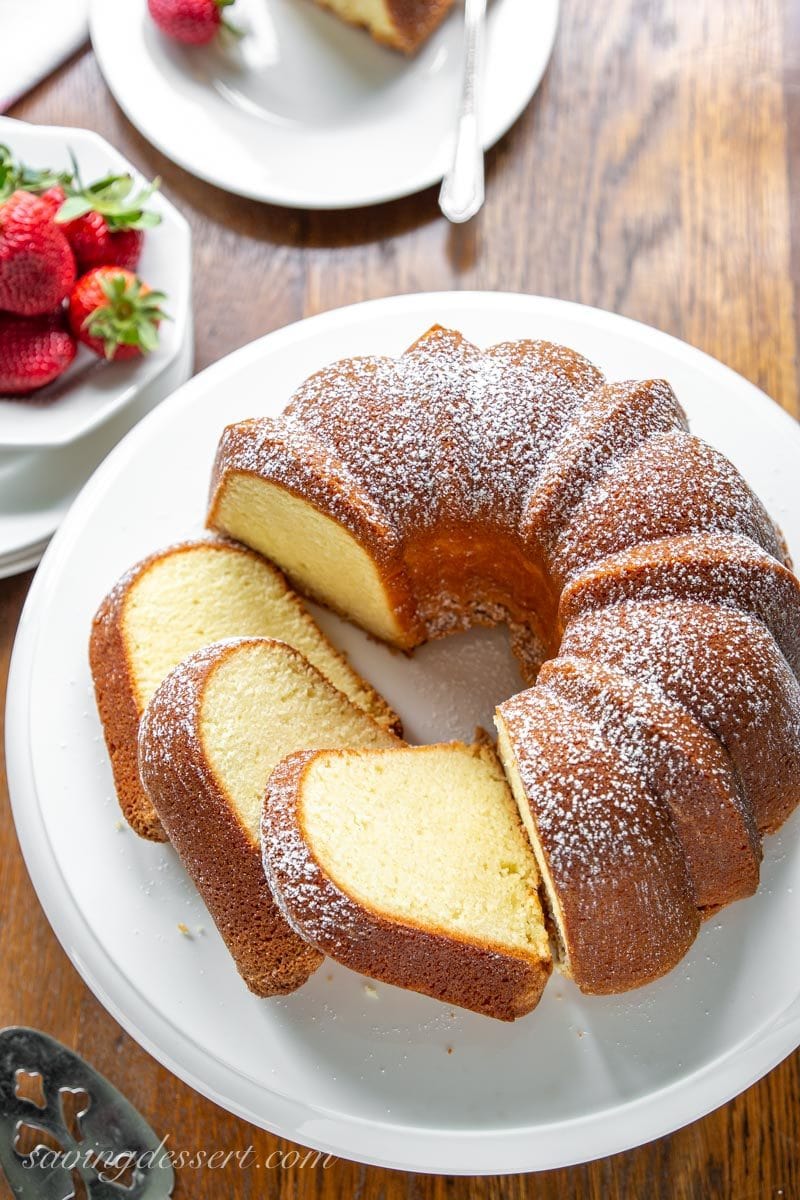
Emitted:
<point x="590" y="806"/>
<point x="617" y="418"/>
<point x="445" y="433"/>
<point x="679" y="761"/>
<point x="724" y="568"/>
<point x="725" y="667"/>
<point x="625" y="906"/>
<point x="274" y="449"/>
<point x="672" y="484"/>
<point x="294" y="876"/>
<point x="170" y="720"/>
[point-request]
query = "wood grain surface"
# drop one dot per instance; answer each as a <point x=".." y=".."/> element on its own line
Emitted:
<point x="657" y="174"/>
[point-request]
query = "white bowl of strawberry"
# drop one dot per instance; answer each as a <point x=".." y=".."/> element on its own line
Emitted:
<point x="95" y="284"/>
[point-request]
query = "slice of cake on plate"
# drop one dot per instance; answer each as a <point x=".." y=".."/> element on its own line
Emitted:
<point x="411" y="865"/>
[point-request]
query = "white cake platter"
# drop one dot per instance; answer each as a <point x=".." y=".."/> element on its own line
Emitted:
<point x="374" y="1073"/>
<point x="306" y="111"/>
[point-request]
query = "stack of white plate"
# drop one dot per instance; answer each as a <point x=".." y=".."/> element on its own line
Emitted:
<point x="38" y="483"/>
<point x="51" y="442"/>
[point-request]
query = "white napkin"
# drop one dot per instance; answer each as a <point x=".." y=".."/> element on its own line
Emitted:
<point x="35" y="37"/>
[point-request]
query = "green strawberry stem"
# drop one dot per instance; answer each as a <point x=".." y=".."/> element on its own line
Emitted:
<point x="229" y="26"/>
<point x="231" y="29"/>
<point x="129" y="318"/>
<point x="113" y="197"/>
<point x="16" y="176"/>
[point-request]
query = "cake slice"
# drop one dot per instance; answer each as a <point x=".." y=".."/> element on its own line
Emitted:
<point x="621" y="904"/>
<point x="276" y="488"/>
<point x="411" y="866"/>
<point x="402" y="24"/>
<point x="209" y="739"/>
<point x="175" y="602"/>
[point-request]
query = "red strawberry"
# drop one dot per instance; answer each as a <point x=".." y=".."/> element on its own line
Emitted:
<point x="104" y="221"/>
<point x="54" y="197"/>
<point x="95" y="244"/>
<point x="37" y="266"/>
<point x="33" y="351"/>
<point x="194" y="22"/>
<point x="116" y="315"/>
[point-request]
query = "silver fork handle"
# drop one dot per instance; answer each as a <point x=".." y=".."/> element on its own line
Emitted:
<point x="462" y="191"/>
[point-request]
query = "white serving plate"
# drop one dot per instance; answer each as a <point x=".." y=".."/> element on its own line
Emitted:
<point x="91" y="391"/>
<point x="368" y="1073"/>
<point x="308" y="112"/>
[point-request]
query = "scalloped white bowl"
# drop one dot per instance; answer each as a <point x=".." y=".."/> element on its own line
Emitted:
<point x="92" y="391"/>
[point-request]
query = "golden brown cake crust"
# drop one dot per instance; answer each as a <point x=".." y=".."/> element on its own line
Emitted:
<point x="619" y="418"/>
<point x="722" y="568"/>
<point x="724" y="666"/>
<point x="415" y="20"/>
<point x="412" y="21"/>
<point x="672" y="484"/>
<point x="115" y="690"/>
<point x="218" y="852"/>
<point x="627" y="908"/>
<point x="117" y="705"/>
<point x="479" y="977"/>
<point x="680" y="762"/>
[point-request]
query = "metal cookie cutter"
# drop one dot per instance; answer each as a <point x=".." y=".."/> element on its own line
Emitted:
<point x="107" y="1150"/>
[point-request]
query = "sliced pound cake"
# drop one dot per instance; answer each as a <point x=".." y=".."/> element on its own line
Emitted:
<point x="209" y="739"/>
<point x="175" y="602"/>
<point x="402" y="24"/>
<point x="411" y="866"/>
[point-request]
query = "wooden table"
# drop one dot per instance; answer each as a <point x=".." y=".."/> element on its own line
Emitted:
<point x="656" y="174"/>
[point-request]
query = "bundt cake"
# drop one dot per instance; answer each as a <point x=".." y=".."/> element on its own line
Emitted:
<point x="402" y="24"/>
<point x="209" y="739"/>
<point x="453" y="487"/>
<point x="177" y="601"/>
<point x="411" y="866"/>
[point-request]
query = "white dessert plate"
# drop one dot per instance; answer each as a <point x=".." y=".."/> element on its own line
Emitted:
<point x="38" y="487"/>
<point x="308" y="112"/>
<point x="91" y="391"/>
<point x="370" y="1072"/>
